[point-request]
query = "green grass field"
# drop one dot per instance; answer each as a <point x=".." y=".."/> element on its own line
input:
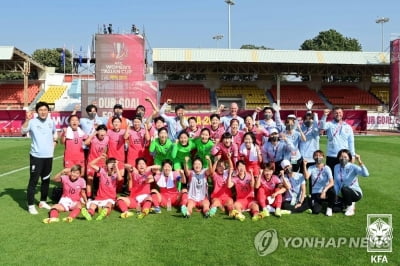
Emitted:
<point x="168" y="239"/>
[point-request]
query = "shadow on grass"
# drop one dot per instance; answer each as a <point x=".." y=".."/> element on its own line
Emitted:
<point x="18" y="195"/>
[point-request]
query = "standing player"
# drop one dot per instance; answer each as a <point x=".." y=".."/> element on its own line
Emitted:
<point x="97" y="143"/>
<point x="182" y="149"/>
<point x="73" y="191"/>
<point x="107" y="193"/>
<point x="43" y="132"/>
<point x="116" y="147"/>
<point x="161" y="147"/>
<point x="203" y="146"/>
<point x="226" y="148"/>
<point x="138" y="138"/>
<point x="250" y="153"/>
<point x="73" y="138"/>
<point x="216" y="129"/>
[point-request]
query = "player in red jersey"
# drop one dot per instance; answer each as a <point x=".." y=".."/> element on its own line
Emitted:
<point x="73" y="137"/>
<point x="250" y="153"/>
<point x="107" y="192"/>
<point x="168" y="193"/>
<point x="226" y="148"/>
<point x="139" y="180"/>
<point x="222" y="195"/>
<point x="138" y="138"/>
<point x="97" y="143"/>
<point x="244" y="187"/>
<point x="237" y="134"/>
<point x="116" y="147"/>
<point x="270" y="190"/>
<point x="216" y="128"/>
<point x="73" y="190"/>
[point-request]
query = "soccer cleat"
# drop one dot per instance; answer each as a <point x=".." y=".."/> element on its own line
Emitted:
<point x="44" y="205"/>
<point x="50" y="220"/>
<point x="102" y="215"/>
<point x="328" y="211"/>
<point x="126" y="214"/>
<point x="68" y="219"/>
<point x="284" y="212"/>
<point x="86" y="214"/>
<point x="278" y="212"/>
<point x="233" y="213"/>
<point x="143" y="214"/>
<point x="32" y="210"/>
<point x="265" y="213"/>
<point x="269" y="208"/>
<point x="156" y="210"/>
<point x="240" y="217"/>
<point x="184" y="210"/>
<point x="350" y="210"/>
<point x="212" y="211"/>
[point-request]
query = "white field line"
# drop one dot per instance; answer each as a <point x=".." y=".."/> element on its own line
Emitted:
<point x="23" y="168"/>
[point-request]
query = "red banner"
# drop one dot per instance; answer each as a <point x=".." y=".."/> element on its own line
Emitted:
<point x="120" y="57"/>
<point x="394" y="75"/>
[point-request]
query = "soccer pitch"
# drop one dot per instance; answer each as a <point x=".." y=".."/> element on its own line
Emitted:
<point x="169" y="239"/>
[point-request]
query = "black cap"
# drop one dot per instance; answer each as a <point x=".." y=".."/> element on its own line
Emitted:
<point x="118" y="106"/>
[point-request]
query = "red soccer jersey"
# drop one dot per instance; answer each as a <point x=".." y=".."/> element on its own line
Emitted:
<point x="271" y="184"/>
<point x="139" y="184"/>
<point x="215" y="135"/>
<point x="243" y="187"/>
<point x="107" y="186"/>
<point x="238" y="138"/>
<point x="221" y="149"/>
<point x="97" y="148"/>
<point x="74" y="148"/>
<point x="116" y="145"/>
<point x="220" y="185"/>
<point x="72" y="189"/>
<point x="260" y="133"/>
<point x="137" y="144"/>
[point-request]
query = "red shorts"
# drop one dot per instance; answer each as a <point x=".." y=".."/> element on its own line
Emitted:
<point x="199" y="204"/>
<point x="174" y="197"/>
<point x="246" y="202"/>
<point x="223" y="199"/>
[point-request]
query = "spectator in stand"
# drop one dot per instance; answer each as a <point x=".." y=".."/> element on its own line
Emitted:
<point x="42" y="130"/>
<point x="175" y="124"/>
<point x="340" y="136"/>
<point x="226" y="120"/>
<point x="118" y="110"/>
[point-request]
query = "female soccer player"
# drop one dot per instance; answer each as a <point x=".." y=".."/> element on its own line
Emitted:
<point x="193" y="130"/>
<point x="161" y="147"/>
<point x="346" y="180"/>
<point x="270" y="190"/>
<point x="139" y="180"/>
<point x="138" y="138"/>
<point x="222" y="195"/>
<point x="182" y="149"/>
<point x="107" y="193"/>
<point x="73" y="138"/>
<point x="244" y="187"/>
<point x="168" y="193"/>
<point x="203" y="146"/>
<point x="259" y="132"/>
<point x="321" y="179"/>
<point x="216" y="128"/>
<point x="250" y="153"/>
<point x="73" y="191"/>
<point x="226" y="148"/>
<point x="237" y="134"/>
<point x="97" y="143"/>
<point x="197" y="186"/>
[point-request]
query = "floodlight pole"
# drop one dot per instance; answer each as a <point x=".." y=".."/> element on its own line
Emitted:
<point x="230" y="3"/>
<point x="217" y="38"/>
<point x="381" y="21"/>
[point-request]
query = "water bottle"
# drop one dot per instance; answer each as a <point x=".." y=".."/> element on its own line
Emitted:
<point x="138" y="208"/>
<point x="169" y="204"/>
<point x="179" y="183"/>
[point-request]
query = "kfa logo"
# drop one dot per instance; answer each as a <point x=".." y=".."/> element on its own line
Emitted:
<point x="379" y="235"/>
<point x="379" y="232"/>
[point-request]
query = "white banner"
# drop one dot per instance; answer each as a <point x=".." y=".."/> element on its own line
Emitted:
<point x="382" y="121"/>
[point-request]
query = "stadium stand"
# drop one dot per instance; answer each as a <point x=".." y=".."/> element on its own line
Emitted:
<point x="193" y="96"/>
<point x="52" y="94"/>
<point x="382" y="93"/>
<point x="350" y="97"/>
<point x="253" y="96"/>
<point x="12" y="95"/>
<point x="295" y="96"/>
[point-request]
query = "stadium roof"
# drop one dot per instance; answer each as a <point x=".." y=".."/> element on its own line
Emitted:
<point x="12" y="59"/>
<point x="270" y="56"/>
